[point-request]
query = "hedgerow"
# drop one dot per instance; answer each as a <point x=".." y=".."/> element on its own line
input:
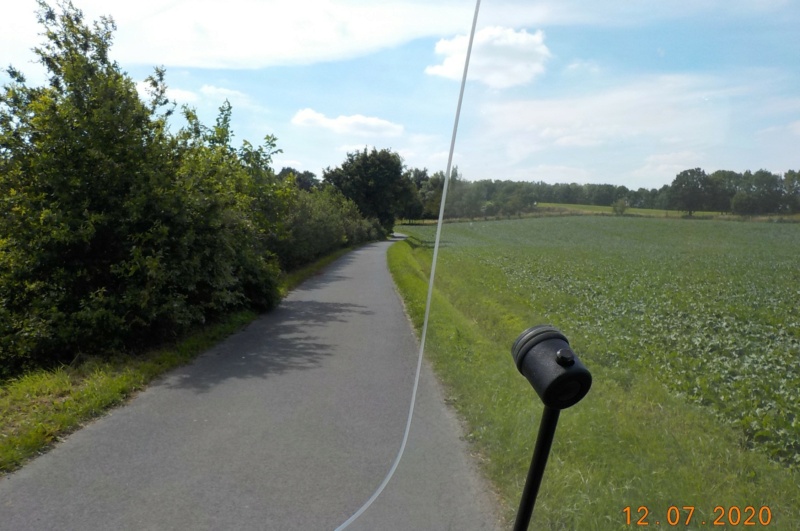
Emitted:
<point x="116" y="233"/>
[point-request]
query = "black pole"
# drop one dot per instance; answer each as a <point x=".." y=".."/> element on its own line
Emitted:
<point x="547" y="430"/>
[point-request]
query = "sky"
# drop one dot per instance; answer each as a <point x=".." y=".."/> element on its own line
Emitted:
<point x="626" y="92"/>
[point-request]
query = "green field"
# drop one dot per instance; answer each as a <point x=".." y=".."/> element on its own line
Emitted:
<point x="691" y="330"/>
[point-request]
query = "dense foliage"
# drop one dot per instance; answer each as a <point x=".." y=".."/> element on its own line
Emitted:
<point x="321" y="221"/>
<point x="116" y="233"/>
<point x="374" y="181"/>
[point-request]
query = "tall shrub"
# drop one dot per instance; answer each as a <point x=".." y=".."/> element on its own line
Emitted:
<point x="323" y="220"/>
<point x="112" y="231"/>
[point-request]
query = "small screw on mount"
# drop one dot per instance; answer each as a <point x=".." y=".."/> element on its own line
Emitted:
<point x="565" y="357"/>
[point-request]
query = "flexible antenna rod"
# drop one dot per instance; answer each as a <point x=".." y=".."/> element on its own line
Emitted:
<point x="400" y="453"/>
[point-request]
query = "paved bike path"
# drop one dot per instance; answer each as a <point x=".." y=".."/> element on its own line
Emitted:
<point x="289" y="424"/>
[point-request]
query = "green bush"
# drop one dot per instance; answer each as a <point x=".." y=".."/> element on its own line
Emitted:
<point x="114" y="233"/>
<point x="322" y="221"/>
<point x="619" y="207"/>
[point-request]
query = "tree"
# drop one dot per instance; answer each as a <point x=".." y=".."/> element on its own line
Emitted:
<point x="417" y="176"/>
<point x="431" y="195"/>
<point x="374" y="181"/>
<point x="410" y="202"/>
<point x="114" y="232"/>
<point x="75" y="155"/>
<point x="569" y="194"/>
<point x="791" y="190"/>
<point x="689" y="190"/>
<point x="759" y="193"/>
<point x="304" y="180"/>
<point x="744" y="204"/>
<point x="768" y="190"/>
<point x="723" y="186"/>
<point x="601" y="194"/>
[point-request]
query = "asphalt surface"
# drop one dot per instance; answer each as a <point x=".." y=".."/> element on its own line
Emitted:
<point x="289" y="424"/>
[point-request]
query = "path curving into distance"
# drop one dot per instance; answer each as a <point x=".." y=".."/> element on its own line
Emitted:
<point x="290" y="424"/>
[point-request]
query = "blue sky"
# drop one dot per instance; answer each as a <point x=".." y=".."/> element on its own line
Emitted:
<point x="626" y="92"/>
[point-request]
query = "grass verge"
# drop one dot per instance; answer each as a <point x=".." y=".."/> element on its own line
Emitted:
<point x="631" y="443"/>
<point x="40" y="407"/>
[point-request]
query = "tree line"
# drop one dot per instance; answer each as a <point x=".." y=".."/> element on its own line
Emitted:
<point x="116" y="233"/>
<point x="415" y="194"/>
<point x="748" y="193"/>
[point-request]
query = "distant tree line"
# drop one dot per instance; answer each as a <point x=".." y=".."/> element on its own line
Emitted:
<point x="691" y="191"/>
<point x="116" y="233"/>
<point x="745" y="193"/>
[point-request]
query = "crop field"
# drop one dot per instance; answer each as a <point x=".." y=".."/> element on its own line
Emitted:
<point x="691" y="330"/>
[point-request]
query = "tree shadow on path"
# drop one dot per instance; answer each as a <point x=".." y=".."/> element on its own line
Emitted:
<point x="287" y="339"/>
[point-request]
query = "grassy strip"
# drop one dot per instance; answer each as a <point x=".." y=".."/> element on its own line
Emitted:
<point x="629" y="444"/>
<point x="42" y="406"/>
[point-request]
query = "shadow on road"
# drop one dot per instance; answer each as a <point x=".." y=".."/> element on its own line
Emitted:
<point x="280" y="341"/>
<point x="328" y="275"/>
<point x="333" y="272"/>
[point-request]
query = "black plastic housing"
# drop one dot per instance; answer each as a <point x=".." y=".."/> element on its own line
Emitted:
<point x="543" y="355"/>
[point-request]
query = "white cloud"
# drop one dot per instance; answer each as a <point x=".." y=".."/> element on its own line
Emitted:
<point x="501" y="57"/>
<point x="350" y="148"/>
<point x="182" y="96"/>
<point x="208" y="93"/>
<point x="661" y="168"/>
<point x="246" y="34"/>
<point x="619" y="12"/>
<point x="251" y="34"/>
<point x="178" y="95"/>
<point x="219" y="92"/>
<point x="281" y="162"/>
<point x="356" y="124"/>
<point x="657" y="110"/>
<point x="776" y="131"/>
<point x="582" y="67"/>
<point x="237" y="99"/>
<point x="554" y="173"/>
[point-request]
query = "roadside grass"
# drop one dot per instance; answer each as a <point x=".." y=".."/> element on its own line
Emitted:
<point x="634" y="441"/>
<point x="40" y="407"/>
